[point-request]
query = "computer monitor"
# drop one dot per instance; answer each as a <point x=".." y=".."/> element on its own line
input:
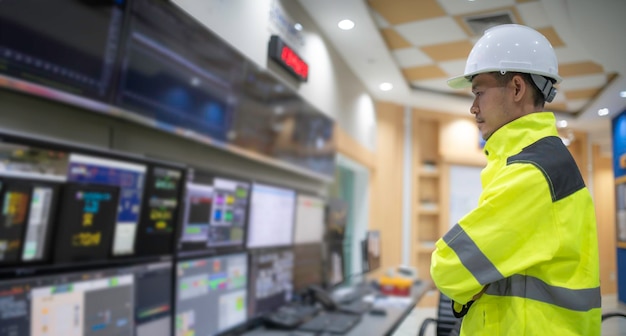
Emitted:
<point x="271" y="280"/>
<point x="26" y="217"/>
<point x="88" y="213"/>
<point x="308" y="266"/>
<point x="160" y="211"/>
<point x="373" y="249"/>
<point x="334" y="263"/>
<point x="271" y="216"/>
<point x="215" y="213"/>
<point x="211" y="294"/>
<point x="309" y="226"/>
<point x="13" y="219"/>
<point x="129" y="177"/>
<point x="336" y="219"/>
<point x="131" y="300"/>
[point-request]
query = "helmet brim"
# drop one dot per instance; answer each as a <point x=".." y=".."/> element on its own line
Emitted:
<point x="459" y="82"/>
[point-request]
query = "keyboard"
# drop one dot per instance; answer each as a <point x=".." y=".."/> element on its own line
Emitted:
<point x="355" y="307"/>
<point x="333" y="322"/>
<point x="290" y="316"/>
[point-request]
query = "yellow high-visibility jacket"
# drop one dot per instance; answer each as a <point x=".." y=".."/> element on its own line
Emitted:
<point x="532" y="239"/>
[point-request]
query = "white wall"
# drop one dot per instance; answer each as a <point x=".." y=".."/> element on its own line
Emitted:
<point x="332" y="87"/>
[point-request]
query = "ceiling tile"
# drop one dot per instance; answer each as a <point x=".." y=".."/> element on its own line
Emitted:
<point x="453" y="68"/>
<point x="433" y="31"/>
<point x="581" y="94"/>
<point x="448" y="51"/>
<point x="552" y="36"/>
<point x="437" y="84"/>
<point x="533" y="14"/>
<point x="393" y="39"/>
<point x="571" y="54"/>
<point x="379" y="19"/>
<point x="556" y="106"/>
<point x="424" y="72"/>
<point x="411" y="57"/>
<point x="456" y="7"/>
<point x="583" y="82"/>
<point x="579" y="69"/>
<point x="461" y="19"/>
<point x="576" y="105"/>
<point x="401" y="11"/>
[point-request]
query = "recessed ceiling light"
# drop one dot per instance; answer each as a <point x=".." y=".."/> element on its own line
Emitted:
<point x="561" y="123"/>
<point x="622" y="94"/>
<point x="603" y="112"/>
<point x="297" y="27"/>
<point x="385" y="86"/>
<point x="346" y="24"/>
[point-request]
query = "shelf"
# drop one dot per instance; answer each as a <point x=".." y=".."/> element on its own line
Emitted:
<point x="428" y="173"/>
<point x="428" y="211"/>
<point x="425" y="247"/>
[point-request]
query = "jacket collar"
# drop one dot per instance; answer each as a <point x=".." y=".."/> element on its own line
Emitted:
<point x="511" y="138"/>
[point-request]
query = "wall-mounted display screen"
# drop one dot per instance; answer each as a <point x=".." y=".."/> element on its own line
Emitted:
<point x="159" y="215"/>
<point x="309" y="219"/>
<point x="211" y="294"/>
<point x="150" y="62"/>
<point x="271" y="216"/>
<point x="129" y="178"/>
<point x="271" y="280"/>
<point x="54" y="51"/>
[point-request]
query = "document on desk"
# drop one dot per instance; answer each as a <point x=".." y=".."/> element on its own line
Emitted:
<point x="389" y="301"/>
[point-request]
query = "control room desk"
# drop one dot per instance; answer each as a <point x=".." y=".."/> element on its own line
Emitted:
<point x="370" y="325"/>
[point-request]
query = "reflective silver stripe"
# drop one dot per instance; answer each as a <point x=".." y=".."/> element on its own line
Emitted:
<point x="471" y="256"/>
<point x="532" y="288"/>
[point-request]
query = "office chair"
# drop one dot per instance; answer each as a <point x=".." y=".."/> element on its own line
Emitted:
<point x="610" y="315"/>
<point x="446" y="323"/>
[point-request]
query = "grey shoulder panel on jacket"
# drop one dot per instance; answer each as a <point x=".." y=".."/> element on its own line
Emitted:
<point x="556" y="163"/>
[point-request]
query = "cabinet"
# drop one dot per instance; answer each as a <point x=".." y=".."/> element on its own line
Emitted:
<point x="427" y="194"/>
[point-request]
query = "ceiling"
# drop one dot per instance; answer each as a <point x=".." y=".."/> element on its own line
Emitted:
<point x="416" y="45"/>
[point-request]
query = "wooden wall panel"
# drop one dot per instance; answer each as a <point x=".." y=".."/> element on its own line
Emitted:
<point x="386" y="183"/>
<point x="604" y="199"/>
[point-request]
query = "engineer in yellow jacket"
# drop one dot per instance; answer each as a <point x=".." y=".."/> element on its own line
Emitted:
<point x="525" y="260"/>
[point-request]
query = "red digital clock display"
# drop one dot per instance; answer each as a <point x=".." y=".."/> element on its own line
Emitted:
<point x="288" y="59"/>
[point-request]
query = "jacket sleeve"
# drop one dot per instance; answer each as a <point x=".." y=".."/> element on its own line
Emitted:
<point x="511" y="230"/>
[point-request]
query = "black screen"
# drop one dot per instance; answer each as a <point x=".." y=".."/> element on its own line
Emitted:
<point x="160" y="208"/>
<point x="86" y="223"/>
<point x="271" y="280"/>
<point x="175" y="71"/>
<point x="13" y="220"/>
<point x="55" y="49"/>
<point x="308" y="262"/>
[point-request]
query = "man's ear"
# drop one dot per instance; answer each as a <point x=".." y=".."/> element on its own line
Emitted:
<point x="519" y="87"/>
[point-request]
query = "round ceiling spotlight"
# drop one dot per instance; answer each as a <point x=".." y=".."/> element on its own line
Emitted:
<point x="346" y="24"/>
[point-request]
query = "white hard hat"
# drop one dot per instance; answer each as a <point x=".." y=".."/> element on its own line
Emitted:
<point x="511" y="47"/>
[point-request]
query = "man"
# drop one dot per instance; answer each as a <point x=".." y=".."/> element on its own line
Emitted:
<point x="525" y="260"/>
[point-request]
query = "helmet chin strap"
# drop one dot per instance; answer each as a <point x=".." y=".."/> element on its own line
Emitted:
<point x="545" y="86"/>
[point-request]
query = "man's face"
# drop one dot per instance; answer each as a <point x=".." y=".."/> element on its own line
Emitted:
<point x="490" y="104"/>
